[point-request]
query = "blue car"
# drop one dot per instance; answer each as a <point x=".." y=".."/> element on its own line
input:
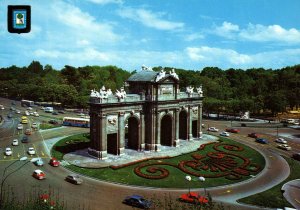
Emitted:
<point x="137" y="201"/>
<point x="39" y="162"/>
<point x="261" y="140"/>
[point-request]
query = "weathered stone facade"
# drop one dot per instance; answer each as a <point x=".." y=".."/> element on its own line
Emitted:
<point x="155" y="113"/>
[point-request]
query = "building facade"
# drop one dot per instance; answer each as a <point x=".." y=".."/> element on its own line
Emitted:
<point x="153" y="113"/>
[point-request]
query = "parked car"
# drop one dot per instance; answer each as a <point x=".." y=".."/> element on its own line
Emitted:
<point x="193" y="197"/>
<point x="74" y="178"/>
<point x="224" y="133"/>
<point x="39" y="174"/>
<point x="20" y="127"/>
<point x="261" y="140"/>
<point x="36" y="114"/>
<point x="137" y="201"/>
<point x="54" y="162"/>
<point x="54" y="113"/>
<point x="281" y="140"/>
<point x="8" y="151"/>
<point x="31" y="151"/>
<point x="25" y="139"/>
<point x="213" y="129"/>
<point x="296" y="156"/>
<point x="61" y="111"/>
<point x="284" y="147"/>
<point x="39" y="162"/>
<point x="232" y="130"/>
<point x="28" y="131"/>
<point x="18" y="111"/>
<point x="10" y="115"/>
<point x="15" y="142"/>
<point x="253" y="135"/>
<point x="29" y="108"/>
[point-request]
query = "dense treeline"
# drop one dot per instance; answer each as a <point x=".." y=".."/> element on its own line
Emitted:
<point x="229" y="91"/>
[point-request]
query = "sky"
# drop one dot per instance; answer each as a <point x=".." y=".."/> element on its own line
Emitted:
<point x="188" y="34"/>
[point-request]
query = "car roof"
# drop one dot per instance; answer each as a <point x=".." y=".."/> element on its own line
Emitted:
<point x="38" y="171"/>
<point x="136" y="196"/>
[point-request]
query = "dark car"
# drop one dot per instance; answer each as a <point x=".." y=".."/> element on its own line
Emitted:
<point x="261" y="140"/>
<point x="61" y="111"/>
<point x="54" y="113"/>
<point x="296" y="156"/>
<point x="10" y="115"/>
<point x="137" y="201"/>
<point x="253" y="135"/>
<point x="75" y="179"/>
<point x="54" y="122"/>
<point x="25" y="139"/>
<point x="232" y="130"/>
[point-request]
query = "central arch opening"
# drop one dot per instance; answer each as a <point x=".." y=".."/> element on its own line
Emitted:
<point x="133" y="133"/>
<point x="183" y="121"/>
<point x="166" y="131"/>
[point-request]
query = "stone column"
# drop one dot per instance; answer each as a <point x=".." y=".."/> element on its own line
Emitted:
<point x="176" y="142"/>
<point x="142" y="130"/>
<point x="199" y="129"/>
<point x="190" y="123"/>
<point x="100" y="151"/>
<point x="121" y="133"/>
<point x="157" y="136"/>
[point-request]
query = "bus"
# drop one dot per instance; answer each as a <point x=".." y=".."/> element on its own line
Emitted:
<point x="27" y="103"/>
<point x="78" y="122"/>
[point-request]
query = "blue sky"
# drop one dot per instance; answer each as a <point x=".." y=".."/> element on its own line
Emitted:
<point x="189" y="34"/>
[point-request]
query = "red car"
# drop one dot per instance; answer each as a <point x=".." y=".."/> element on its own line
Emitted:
<point x="38" y="174"/>
<point x="54" y="162"/>
<point x="232" y="130"/>
<point x="193" y="197"/>
<point x="253" y="135"/>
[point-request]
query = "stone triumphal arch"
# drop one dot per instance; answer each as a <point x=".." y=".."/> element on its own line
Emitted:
<point x="153" y="113"/>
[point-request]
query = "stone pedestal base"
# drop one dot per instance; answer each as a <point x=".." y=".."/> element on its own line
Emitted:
<point x="191" y="136"/>
<point x="153" y="147"/>
<point x="176" y="143"/>
<point x="200" y="134"/>
<point x="101" y="155"/>
<point x="142" y="147"/>
<point x="121" y="151"/>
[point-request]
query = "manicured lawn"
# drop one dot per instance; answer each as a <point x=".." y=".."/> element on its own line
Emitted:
<point x="273" y="198"/>
<point x="176" y="174"/>
<point x="45" y="126"/>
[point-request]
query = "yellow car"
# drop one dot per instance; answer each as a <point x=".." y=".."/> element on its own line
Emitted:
<point x="24" y="121"/>
<point x="24" y="118"/>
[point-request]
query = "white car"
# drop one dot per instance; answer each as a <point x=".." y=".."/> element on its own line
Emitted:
<point x="18" y="111"/>
<point x="281" y="140"/>
<point x="284" y="147"/>
<point x="224" y="133"/>
<point x="27" y="113"/>
<point x="29" y="108"/>
<point x="20" y="127"/>
<point x="31" y="151"/>
<point x="34" y="125"/>
<point x="213" y="129"/>
<point x="15" y="142"/>
<point x="8" y="151"/>
<point x="36" y="114"/>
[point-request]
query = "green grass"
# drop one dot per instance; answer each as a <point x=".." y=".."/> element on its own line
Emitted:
<point x="273" y="198"/>
<point x="45" y="126"/>
<point x="176" y="177"/>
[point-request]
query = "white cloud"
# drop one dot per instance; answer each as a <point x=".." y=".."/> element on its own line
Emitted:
<point x="81" y="24"/>
<point x="261" y="33"/>
<point x="258" y="33"/>
<point x="211" y="54"/>
<point x="106" y="1"/>
<point x="150" y="19"/>
<point x="194" y="36"/>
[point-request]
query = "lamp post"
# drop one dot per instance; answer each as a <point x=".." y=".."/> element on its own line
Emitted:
<point x="5" y="177"/>
<point x="202" y="179"/>
<point x="188" y="178"/>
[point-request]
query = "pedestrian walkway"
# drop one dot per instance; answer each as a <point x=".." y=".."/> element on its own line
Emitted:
<point x="81" y="158"/>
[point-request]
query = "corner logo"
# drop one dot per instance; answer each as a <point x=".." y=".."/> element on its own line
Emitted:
<point x="19" y="18"/>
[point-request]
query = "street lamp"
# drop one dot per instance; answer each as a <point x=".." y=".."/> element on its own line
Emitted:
<point x="5" y="177"/>
<point x="188" y="178"/>
<point x="202" y="179"/>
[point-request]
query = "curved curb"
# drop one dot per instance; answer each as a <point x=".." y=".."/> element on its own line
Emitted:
<point x="289" y="192"/>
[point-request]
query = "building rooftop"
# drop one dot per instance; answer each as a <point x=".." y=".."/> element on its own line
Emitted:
<point x="143" y="76"/>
